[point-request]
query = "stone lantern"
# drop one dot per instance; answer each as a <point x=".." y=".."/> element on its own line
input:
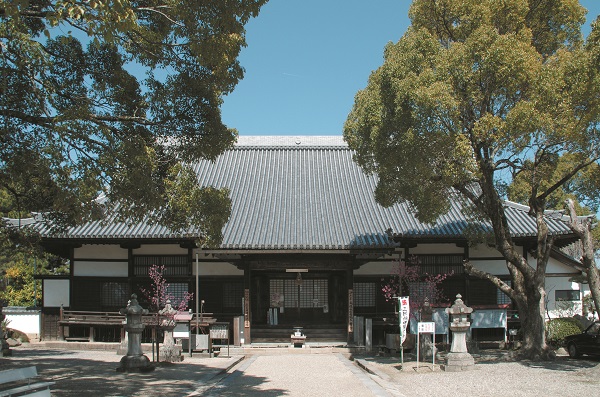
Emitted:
<point x="459" y="359"/>
<point x="135" y="360"/>
<point x="169" y="351"/>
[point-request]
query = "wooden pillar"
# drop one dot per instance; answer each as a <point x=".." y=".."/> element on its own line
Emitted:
<point x="61" y="328"/>
<point x="350" y="288"/>
<point x="247" y="313"/>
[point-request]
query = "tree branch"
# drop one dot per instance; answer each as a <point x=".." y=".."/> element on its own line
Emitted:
<point x="500" y="284"/>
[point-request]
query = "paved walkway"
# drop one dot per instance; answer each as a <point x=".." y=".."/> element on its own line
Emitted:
<point x="296" y="375"/>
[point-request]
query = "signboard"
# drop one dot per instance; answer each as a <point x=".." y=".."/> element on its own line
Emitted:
<point x="219" y="331"/>
<point x="246" y="308"/>
<point x="426" y="328"/>
<point x="350" y="310"/>
<point x="181" y="330"/>
<point x="404" y="316"/>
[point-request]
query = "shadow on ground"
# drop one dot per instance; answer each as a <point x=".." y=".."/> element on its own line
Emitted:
<point x="76" y="376"/>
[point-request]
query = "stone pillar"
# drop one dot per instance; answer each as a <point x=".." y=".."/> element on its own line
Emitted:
<point x="135" y="360"/>
<point x="169" y="351"/>
<point x="459" y="358"/>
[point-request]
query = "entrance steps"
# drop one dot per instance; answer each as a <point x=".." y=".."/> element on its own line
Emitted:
<point x="333" y="335"/>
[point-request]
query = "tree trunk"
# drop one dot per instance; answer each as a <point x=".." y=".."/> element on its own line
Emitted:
<point x="528" y="294"/>
<point x="533" y="325"/>
<point x="582" y="227"/>
<point x="528" y="282"/>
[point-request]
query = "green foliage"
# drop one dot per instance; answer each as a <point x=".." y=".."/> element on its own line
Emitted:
<point x="476" y="94"/>
<point x="111" y="97"/>
<point x="559" y="328"/>
<point x="470" y="94"/>
<point x="20" y="260"/>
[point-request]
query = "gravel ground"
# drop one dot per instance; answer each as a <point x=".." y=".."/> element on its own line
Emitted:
<point x="93" y="372"/>
<point x="495" y="374"/>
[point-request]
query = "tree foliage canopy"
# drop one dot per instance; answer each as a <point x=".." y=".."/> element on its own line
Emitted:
<point x="20" y="259"/>
<point x="478" y="94"/>
<point x="113" y="96"/>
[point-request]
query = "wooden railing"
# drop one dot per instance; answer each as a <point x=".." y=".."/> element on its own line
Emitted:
<point x="93" y="319"/>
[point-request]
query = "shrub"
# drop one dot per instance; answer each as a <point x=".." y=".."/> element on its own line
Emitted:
<point x="559" y="328"/>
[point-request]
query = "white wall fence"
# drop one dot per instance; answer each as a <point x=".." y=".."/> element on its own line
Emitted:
<point x="24" y="320"/>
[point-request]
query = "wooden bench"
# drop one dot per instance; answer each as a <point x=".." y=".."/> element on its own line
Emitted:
<point x="90" y="319"/>
<point x="15" y="380"/>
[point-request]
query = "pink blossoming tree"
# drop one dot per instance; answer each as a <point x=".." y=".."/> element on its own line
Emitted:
<point x="158" y="294"/>
<point x="406" y="279"/>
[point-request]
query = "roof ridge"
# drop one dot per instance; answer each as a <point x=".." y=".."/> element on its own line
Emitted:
<point x="307" y="141"/>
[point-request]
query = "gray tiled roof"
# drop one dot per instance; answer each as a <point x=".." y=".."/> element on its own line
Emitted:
<point x="305" y="193"/>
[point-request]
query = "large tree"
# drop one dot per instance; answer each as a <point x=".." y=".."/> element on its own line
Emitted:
<point x="579" y="197"/>
<point x="114" y="99"/>
<point x="475" y="92"/>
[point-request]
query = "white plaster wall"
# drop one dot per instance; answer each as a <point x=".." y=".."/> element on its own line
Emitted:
<point x="483" y="251"/>
<point x="216" y="269"/>
<point x="100" y="251"/>
<point x="100" y="269"/>
<point x="26" y="323"/>
<point x="564" y="309"/>
<point x="495" y="267"/>
<point x="429" y="249"/>
<point x="56" y="293"/>
<point x="375" y="268"/>
<point x="555" y="266"/>
<point x="160" y="249"/>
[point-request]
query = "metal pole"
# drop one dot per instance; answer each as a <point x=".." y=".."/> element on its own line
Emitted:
<point x="197" y="297"/>
<point x="34" y="282"/>
<point x="401" y="334"/>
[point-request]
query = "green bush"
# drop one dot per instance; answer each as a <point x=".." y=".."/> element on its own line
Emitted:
<point x="559" y="328"/>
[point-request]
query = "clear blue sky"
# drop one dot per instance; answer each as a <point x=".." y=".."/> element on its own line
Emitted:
<point x="306" y="59"/>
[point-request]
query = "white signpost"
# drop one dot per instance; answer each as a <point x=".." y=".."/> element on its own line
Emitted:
<point x="404" y="314"/>
<point x="426" y="328"/>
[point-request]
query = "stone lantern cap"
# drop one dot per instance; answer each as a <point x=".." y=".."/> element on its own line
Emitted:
<point x="459" y="310"/>
<point x="168" y="309"/>
<point x="133" y="307"/>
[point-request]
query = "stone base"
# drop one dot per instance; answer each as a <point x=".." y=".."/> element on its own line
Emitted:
<point x="5" y="349"/>
<point x="135" y="364"/>
<point x="298" y="341"/>
<point x="170" y="354"/>
<point x="123" y="348"/>
<point x="456" y="362"/>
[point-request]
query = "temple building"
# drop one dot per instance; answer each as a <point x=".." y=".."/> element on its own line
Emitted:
<point x="306" y="245"/>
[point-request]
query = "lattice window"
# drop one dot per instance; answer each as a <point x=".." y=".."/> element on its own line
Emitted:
<point x="320" y="293"/>
<point x="233" y="293"/>
<point x="115" y="294"/>
<point x="501" y="297"/>
<point x="175" y="265"/>
<point x="290" y="293"/>
<point x="178" y="291"/>
<point x="364" y="294"/>
<point x="440" y="264"/>
<point x="310" y="293"/>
